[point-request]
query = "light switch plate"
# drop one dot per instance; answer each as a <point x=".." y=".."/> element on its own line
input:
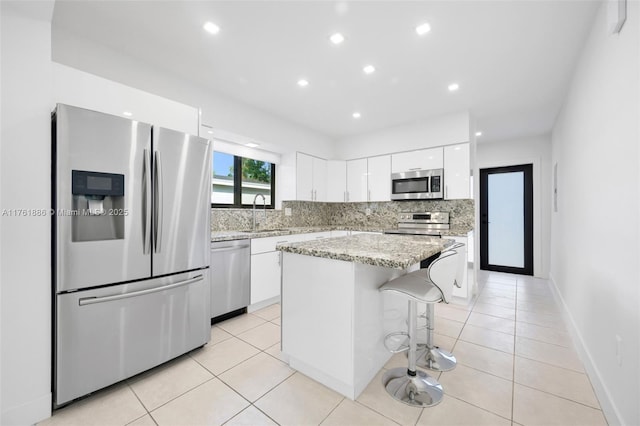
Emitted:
<point x="287" y="211"/>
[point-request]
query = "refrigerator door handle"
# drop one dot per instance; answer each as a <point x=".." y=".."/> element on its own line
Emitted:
<point x="146" y="201"/>
<point x="157" y="246"/>
<point x="93" y="300"/>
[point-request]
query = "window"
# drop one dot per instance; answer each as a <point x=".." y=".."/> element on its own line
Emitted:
<point x="238" y="180"/>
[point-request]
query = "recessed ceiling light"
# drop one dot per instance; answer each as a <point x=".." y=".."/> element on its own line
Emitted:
<point x="422" y="29"/>
<point x="336" y="38"/>
<point x="303" y="83"/>
<point x="211" y="28"/>
<point x="210" y="132"/>
<point x="356" y="115"/>
<point x="478" y="133"/>
<point x="453" y="87"/>
<point x="369" y="69"/>
<point x="251" y="145"/>
<point x="127" y="114"/>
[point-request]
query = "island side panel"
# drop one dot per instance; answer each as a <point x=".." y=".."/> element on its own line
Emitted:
<point x="376" y="314"/>
<point x="317" y="312"/>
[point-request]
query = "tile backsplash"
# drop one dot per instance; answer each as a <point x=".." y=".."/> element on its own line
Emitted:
<point x="313" y="213"/>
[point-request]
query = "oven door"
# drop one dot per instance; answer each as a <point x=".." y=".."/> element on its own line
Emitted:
<point x="410" y="185"/>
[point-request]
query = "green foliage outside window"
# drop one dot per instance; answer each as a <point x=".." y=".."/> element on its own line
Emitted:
<point x="256" y="171"/>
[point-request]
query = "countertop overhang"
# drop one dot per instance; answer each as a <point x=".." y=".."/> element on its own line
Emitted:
<point x="243" y="235"/>
<point x="384" y="250"/>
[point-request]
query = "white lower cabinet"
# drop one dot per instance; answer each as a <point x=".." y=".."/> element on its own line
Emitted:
<point x="265" y="276"/>
<point x="466" y="272"/>
<point x="266" y="267"/>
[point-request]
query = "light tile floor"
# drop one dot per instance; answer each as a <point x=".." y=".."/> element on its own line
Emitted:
<point x="516" y="366"/>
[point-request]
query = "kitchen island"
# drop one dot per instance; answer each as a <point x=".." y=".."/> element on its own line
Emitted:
<point x="334" y="319"/>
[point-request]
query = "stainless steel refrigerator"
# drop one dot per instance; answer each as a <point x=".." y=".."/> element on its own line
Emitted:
<point x="130" y="248"/>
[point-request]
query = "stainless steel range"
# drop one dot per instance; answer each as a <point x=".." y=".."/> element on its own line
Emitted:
<point x="421" y="223"/>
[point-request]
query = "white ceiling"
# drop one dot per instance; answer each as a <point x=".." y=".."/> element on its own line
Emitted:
<point x="513" y="59"/>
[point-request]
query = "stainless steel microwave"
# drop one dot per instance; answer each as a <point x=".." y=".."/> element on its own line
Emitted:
<point x="417" y="185"/>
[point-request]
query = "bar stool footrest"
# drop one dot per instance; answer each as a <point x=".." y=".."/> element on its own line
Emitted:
<point x="402" y="347"/>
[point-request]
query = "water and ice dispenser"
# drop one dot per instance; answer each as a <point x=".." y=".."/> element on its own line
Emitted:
<point x="98" y="206"/>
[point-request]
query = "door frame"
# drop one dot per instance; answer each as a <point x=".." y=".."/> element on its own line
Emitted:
<point x="527" y="169"/>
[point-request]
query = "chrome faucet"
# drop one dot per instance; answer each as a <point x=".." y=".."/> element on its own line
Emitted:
<point x="264" y="209"/>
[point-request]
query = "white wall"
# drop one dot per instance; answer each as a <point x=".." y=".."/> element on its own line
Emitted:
<point x="536" y="151"/>
<point x="25" y="279"/>
<point x="595" y="233"/>
<point x="436" y="131"/>
<point x="81" y="89"/>
<point x="224" y="114"/>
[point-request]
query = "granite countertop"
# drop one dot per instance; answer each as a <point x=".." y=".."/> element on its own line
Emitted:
<point x="217" y="236"/>
<point x="263" y="233"/>
<point x="385" y="250"/>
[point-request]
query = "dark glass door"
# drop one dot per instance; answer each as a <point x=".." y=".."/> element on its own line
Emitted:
<point x="506" y="219"/>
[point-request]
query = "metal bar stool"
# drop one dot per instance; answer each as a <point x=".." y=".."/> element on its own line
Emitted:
<point x="411" y="386"/>
<point x="429" y="355"/>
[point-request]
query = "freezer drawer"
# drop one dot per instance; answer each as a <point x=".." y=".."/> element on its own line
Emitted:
<point x="109" y="334"/>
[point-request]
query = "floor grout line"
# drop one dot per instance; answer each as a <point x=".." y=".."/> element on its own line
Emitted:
<point x="469" y="309"/>
<point x="143" y="406"/>
<point x="513" y="366"/>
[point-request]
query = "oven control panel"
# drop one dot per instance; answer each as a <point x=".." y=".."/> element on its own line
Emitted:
<point x="424" y="217"/>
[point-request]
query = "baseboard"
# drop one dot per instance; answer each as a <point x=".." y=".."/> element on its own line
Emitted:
<point x="29" y="413"/>
<point x="263" y="304"/>
<point x="609" y="408"/>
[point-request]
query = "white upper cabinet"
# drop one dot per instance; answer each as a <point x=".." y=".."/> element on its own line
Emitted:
<point x="379" y="178"/>
<point x="369" y="179"/>
<point x="357" y="180"/>
<point x="456" y="172"/>
<point x="319" y="179"/>
<point x="304" y="177"/>
<point x="311" y="178"/>
<point x="336" y="180"/>
<point x="423" y="159"/>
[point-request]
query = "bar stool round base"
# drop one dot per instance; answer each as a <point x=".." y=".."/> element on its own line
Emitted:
<point x="420" y="390"/>
<point x="435" y="359"/>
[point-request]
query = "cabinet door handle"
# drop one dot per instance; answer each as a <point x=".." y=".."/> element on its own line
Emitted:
<point x="416" y="168"/>
<point x="446" y="191"/>
<point x="368" y="195"/>
<point x="312" y="195"/>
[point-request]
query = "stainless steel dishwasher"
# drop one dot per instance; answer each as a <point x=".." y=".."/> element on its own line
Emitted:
<point x="230" y="277"/>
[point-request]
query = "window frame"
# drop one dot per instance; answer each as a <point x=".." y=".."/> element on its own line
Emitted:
<point x="237" y="185"/>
